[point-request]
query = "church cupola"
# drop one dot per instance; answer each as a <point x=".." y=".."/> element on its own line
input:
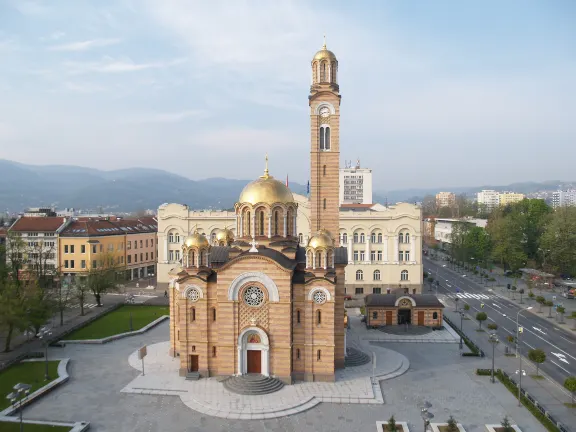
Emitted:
<point x="223" y="237"/>
<point x="195" y="250"/>
<point x="324" y="67"/>
<point x="320" y="251"/>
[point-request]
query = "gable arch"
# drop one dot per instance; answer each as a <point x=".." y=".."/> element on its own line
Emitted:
<point x="324" y="290"/>
<point x="264" y="279"/>
<point x="190" y="287"/>
<point x="412" y="301"/>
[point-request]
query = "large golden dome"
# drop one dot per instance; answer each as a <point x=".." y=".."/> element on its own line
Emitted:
<point x="325" y="54"/>
<point x="321" y="240"/>
<point x="196" y="240"/>
<point x="267" y="190"/>
<point x="224" y="235"/>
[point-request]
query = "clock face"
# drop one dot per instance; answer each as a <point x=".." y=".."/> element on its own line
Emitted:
<point x="324" y="111"/>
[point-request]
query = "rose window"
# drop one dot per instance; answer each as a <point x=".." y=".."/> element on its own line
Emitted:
<point x="193" y="294"/>
<point x="319" y="297"/>
<point x="253" y="296"/>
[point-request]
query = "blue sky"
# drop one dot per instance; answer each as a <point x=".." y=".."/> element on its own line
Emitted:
<point x="434" y="93"/>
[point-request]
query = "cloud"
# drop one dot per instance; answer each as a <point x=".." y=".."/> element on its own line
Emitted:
<point x="111" y="65"/>
<point x="84" y="45"/>
<point x="87" y="88"/>
<point x="170" y="117"/>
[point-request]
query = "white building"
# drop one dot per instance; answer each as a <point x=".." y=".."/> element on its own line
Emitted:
<point x="563" y="198"/>
<point x="489" y="198"/>
<point x="445" y="199"/>
<point x="355" y="184"/>
<point x="441" y="228"/>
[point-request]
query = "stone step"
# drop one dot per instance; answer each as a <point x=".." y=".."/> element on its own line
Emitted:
<point x="253" y="384"/>
<point x="192" y="376"/>
<point x="355" y="357"/>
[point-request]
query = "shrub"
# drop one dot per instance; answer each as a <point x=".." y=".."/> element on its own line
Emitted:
<point x="391" y="427"/>
<point x="466" y="307"/>
<point x="492" y="326"/>
<point x="538" y="356"/>
<point x="506" y="426"/>
<point x="480" y="317"/>
<point x="570" y="385"/>
<point x="452" y="425"/>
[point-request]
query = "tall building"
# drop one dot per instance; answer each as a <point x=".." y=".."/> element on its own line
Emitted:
<point x="445" y="199"/>
<point x="489" y="198"/>
<point x="562" y="198"/>
<point x="506" y="198"/>
<point x="355" y="185"/>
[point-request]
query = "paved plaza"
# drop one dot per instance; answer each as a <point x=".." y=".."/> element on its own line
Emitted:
<point x="437" y="373"/>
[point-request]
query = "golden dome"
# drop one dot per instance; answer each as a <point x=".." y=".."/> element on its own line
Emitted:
<point x="195" y="240"/>
<point x="321" y="239"/>
<point x="224" y="235"/>
<point x="325" y="54"/>
<point x="267" y="190"/>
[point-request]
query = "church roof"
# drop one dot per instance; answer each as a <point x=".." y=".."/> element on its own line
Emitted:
<point x="219" y="254"/>
<point x="389" y="300"/>
<point x="340" y="255"/>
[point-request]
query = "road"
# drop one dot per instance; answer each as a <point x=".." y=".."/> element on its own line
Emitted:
<point x="539" y="332"/>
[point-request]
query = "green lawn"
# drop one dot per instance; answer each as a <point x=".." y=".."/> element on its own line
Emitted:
<point x="118" y="321"/>
<point x="31" y="427"/>
<point x="28" y="373"/>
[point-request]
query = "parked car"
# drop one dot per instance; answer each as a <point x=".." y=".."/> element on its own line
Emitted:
<point x="569" y="294"/>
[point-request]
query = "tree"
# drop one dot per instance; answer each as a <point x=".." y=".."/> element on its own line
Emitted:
<point x="507" y="237"/>
<point x="561" y="310"/>
<point x="480" y="317"/>
<point x="391" y="426"/>
<point x="541" y="301"/>
<point x="104" y="278"/>
<point x="80" y="290"/>
<point x="573" y="317"/>
<point x="452" y="425"/>
<point x="429" y="206"/>
<point x="492" y="326"/>
<point x="550" y="304"/>
<point x="531" y="295"/>
<point x="466" y="307"/>
<point x="506" y="426"/>
<point x="559" y="238"/>
<point x="63" y="295"/>
<point x="538" y="356"/>
<point x="570" y="385"/>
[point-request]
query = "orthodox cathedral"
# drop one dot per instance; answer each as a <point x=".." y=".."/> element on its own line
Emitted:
<point x="255" y="301"/>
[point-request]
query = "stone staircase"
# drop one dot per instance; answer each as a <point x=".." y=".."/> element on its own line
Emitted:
<point x="355" y="357"/>
<point x="253" y="384"/>
<point x="192" y="376"/>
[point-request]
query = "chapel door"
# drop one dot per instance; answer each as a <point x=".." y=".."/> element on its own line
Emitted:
<point x="254" y="358"/>
<point x="388" y="317"/>
<point x="193" y="363"/>
<point x="420" y="318"/>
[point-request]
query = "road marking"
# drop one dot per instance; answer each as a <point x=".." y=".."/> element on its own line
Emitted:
<point x="539" y="330"/>
<point x="567" y="340"/>
<point x="491" y="319"/>
<point x="561" y="357"/>
<point x="529" y="345"/>
<point x="507" y="330"/>
<point x="552" y="361"/>
<point x="494" y="304"/>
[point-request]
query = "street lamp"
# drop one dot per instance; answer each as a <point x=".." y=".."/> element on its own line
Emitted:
<point x="493" y="338"/>
<point x="43" y="334"/>
<point x="17" y="397"/>
<point x="461" y="319"/>
<point x="519" y="356"/>
<point x="456" y="302"/>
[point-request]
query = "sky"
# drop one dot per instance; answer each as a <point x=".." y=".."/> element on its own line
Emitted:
<point x="434" y="93"/>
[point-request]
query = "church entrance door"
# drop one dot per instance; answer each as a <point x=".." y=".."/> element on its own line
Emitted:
<point x="254" y="358"/>
<point x="193" y="363"/>
<point x="404" y="316"/>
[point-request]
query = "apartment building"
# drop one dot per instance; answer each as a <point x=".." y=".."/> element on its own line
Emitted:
<point x="489" y="198"/>
<point x="506" y="198"/>
<point x="355" y="184"/>
<point x="445" y="199"/>
<point x="562" y="198"/>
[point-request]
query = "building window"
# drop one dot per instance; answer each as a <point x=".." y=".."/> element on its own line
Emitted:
<point x="355" y="255"/>
<point x="71" y="248"/>
<point x="66" y="264"/>
<point x="404" y="275"/>
<point x="362" y="238"/>
<point x="128" y="245"/>
<point x="129" y="259"/>
<point x="213" y="314"/>
<point x="400" y="238"/>
<point x="213" y="351"/>
<point x="407" y="238"/>
<point x="435" y="315"/>
<point x="407" y="255"/>
<point x="362" y="255"/>
<point x="193" y="314"/>
<point x="374" y="315"/>
<point x="170" y="238"/>
<point x="376" y="290"/>
<point x="94" y="264"/>
<point x="401" y="256"/>
<point x="379" y="237"/>
<point x="170" y="256"/>
<point x="372" y="255"/>
<point x="65" y="248"/>
<point x="379" y="255"/>
<point x="373" y="238"/>
<point x="151" y="255"/>
<point x="359" y="275"/>
<point x="83" y="264"/>
<point x="298" y="316"/>
<point x="146" y="242"/>
<point x="318" y="317"/>
<point x="359" y="290"/>
<point x="298" y="354"/>
<point x="71" y="263"/>
<point x="324" y="203"/>
<point x="355" y="237"/>
<point x="377" y="275"/>
<point x="82" y="248"/>
<point x="319" y="355"/>
<point x="324" y="170"/>
<point x="261" y="223"/>
<point x="142" y="243"/>
<point x="344" y="238"/>
<point x="146" y="256"/>
<point x="325" y="138"/>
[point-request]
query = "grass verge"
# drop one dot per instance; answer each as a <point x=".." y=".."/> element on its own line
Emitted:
<point x="28" y="373"/>
<point x="118" y="321"/>
<point x="31" y="427"/>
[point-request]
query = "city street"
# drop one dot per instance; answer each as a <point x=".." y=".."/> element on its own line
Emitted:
<point x="539" y="331"/>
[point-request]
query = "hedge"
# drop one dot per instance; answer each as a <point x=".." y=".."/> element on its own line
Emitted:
<point x="484" y="372"/>
<point x="476" y="352"/>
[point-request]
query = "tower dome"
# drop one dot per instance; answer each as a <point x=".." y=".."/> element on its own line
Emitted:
<point x="195" y="240"/>
<point x="321" y="239"/>
<point x="224" y="236"/>
<point x="266" y="190"/>
<point x="325" y="54"/>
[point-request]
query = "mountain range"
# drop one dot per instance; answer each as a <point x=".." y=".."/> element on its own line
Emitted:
<point x="134" y="189"/>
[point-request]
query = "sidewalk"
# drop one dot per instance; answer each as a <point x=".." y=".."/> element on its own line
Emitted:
<point x="546" y="391"/>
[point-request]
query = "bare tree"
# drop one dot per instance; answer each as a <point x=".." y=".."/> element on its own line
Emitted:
<point x="63" y="294"/>
<point x="105" y="277"/>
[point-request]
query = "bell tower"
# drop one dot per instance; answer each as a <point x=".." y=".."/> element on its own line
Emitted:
<point x="324" y="102"/>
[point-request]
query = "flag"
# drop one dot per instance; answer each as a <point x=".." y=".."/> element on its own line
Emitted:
<point x="286" y="180"/>
<point x="308" y="187"/>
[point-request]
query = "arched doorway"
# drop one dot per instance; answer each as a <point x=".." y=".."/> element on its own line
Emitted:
<point x="405" y="305"/>
<point x="253" y="352"/>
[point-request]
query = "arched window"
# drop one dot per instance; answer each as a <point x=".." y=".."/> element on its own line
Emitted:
<point x="404" y="275"/>
<point x="191" y="259"/>
<point x="319" y="355"/>
<point x="359" y="275"/>
<point x="325" y="138"/>
<point x="171" y="237"/>
<point x="324" y="204"/>
<point x="400" y="238"/>
<point x="373" y="238"/>
<point x="298" y="316"/>
<point x="201" y="259"/>
<point x="362" y="238"/>
<point x="193" y="314"/>
<point x="377" y="275"/>
<point x="407" y="238"/>
<point x="315" y="72"/>
<point x="324" y="170"/>
<point x="344" y="238"/>
<point x="379" y="237"/>
<point x="318" y="317"/>
<point x="318" y="259"/>
<point x="355" y="237"/>
<point x="261" y="223"/>
<point x="248" y="223"/>
<point x="434" y="315"/>
<point x="213" y="351"/>
<point x="327" y="131"/>
<point x="333" y="75"/>
<point x="297" y="353"/>
<point x="176" y="238"/>
<point x="323" y="72"/>
<point x="213" y="314"/>
<point x="276" y="222"/>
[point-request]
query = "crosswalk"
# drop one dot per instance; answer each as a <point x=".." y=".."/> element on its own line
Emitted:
<point x="86" y="306"/>
<point x="470" y="296"/>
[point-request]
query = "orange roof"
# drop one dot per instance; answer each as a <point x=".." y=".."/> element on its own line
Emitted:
<point x="47" y="224"/>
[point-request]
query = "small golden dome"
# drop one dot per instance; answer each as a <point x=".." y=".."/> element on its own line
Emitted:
<point x="196" y="240"/>
<point x="224" y="235"/>
<point x="325" y="54"/>
<point x="321" y="240"/>
<point x="267" y="190"/>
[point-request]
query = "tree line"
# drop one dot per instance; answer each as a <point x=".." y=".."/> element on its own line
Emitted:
<point x="525" y="234"/>
<point x="33" y="290"/>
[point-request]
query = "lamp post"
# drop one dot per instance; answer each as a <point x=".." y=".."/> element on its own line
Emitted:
<point x="17" y="397"/>
<point x="43" y="335"/>
<point x="493" y="338"/>
<point x="461" y="319"/>
<point x="517" y="327"/>
<point x="456" y="302"/>
<point x="519" y="354"/>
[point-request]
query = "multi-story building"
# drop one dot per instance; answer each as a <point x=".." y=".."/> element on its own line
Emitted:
<point x="440" y="229"/>
<point x="355" y="185"/>
<point x="563" y="198"/>
<point x="130" y="244"/>
<point x="506" y="198"/>
<point x="445" y="199"/>
<point x="489" y="198"/>
<point x="39" y="235"/>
